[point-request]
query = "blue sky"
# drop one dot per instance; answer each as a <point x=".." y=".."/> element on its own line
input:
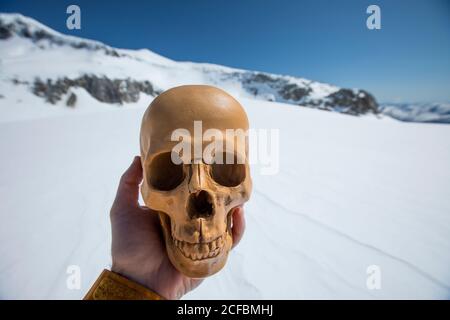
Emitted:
<point x="407" y="60"/>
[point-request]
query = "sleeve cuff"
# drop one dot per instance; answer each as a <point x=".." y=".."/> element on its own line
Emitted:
<point x="112" y="286"/>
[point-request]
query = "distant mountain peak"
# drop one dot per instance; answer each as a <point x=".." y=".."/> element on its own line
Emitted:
<point x="436" y="112"/>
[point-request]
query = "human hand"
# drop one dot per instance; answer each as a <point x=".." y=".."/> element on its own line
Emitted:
<point x="138" y="250"/>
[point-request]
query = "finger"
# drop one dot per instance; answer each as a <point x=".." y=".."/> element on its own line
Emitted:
<point x="128" y="190"/>
<point x="238" y="225"/>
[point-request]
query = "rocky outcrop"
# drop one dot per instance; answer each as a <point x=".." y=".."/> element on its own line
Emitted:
<point x="106" y="90"/>
<point x="354" y="102"/>
<point x="301" y="92"/>
<point x="72" y="100"/>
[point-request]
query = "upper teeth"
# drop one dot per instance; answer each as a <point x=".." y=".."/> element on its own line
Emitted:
<point x="198" y="251"/>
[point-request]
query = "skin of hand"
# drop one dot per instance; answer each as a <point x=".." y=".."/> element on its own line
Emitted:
<point x="138" y="250"/>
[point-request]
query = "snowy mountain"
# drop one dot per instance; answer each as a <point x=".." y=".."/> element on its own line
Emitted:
<point x="52" y="65"/>
<point x="424" y="112"/>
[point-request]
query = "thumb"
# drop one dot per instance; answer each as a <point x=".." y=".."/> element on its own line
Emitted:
<point x="128" y="190"/>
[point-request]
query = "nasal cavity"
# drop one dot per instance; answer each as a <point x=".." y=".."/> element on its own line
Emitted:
<point x="200" y="205"/>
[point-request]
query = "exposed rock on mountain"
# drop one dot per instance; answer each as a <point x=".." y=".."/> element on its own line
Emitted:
<point x="103" y="89"/>
<point x="72" y="100"/>
<point x="304" y="93"/>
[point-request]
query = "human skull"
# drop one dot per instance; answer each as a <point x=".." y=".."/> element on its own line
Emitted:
<point x="194" y="199"/>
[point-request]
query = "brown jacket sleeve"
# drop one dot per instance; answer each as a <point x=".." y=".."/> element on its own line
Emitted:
<point x="112" y="286"/>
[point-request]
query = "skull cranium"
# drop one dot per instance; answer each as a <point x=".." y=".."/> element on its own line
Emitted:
<point x="194" y="200"/>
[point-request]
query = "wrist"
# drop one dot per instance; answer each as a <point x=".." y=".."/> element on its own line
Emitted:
<point x="139" y="278"/>
<point x="150" y="281"/>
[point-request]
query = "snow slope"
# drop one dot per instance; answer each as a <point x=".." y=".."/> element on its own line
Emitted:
<point x="351" y="192"/>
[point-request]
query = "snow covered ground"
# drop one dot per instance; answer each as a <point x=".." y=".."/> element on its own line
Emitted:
<point x="351" y="193"/>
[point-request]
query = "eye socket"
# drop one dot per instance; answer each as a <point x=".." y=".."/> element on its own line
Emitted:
<point x="228" y="175"/>
<point x="165" y="175"/>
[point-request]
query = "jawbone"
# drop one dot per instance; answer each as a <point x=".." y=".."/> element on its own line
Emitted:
<point x="196" y="260"/>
